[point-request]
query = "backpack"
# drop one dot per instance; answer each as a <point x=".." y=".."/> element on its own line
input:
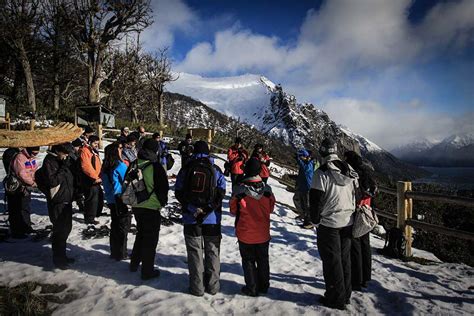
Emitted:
<point x="364" y="221"/>
<point x="200" y="182"/>
<point x="134" y="189"/>
<point x="169" y="161"/>
<point x="227" y="166"/>
<point x="395" y="244"/>
<point x="8" y="156"/>
<point x="11" y="181"/>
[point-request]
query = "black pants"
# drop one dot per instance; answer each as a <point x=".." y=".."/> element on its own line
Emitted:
<point x="19" y="212"/>
<point x="93" y="203"/>
<point x="334" y="246"/>
<point x="61" y="218"/>
<point x="256" y="267"/>
<point x="361" y="261"/>
<point x="121" y="221"/>
<point x="146" y="240"/>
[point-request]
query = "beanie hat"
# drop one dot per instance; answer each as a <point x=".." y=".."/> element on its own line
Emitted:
<point x="188" y="136"/>
<point x="151" y="144"/>
<point x="303" y="153"/>
<point x="77" y="142"/>
<point x="201" y="147"/>
<point x="61" y="148"/>
<point x="328" y="147"/>
<point x="258" y="146"/>
<point x="88" y="130"/>
<point x="30" y="150"/>
<point x="252" y="168"/>
<point x="93" y="138"/>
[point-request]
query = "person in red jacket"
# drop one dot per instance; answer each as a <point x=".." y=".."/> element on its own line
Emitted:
<point x="252" y="203"/>
<point x="237" y="156"/>
<point x="264" y="159"/>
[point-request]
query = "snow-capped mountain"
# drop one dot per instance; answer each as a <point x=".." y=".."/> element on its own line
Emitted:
<point x="453" y="151"/>
<point x="257" y="101"/>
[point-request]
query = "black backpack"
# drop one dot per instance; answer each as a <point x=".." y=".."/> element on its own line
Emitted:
<point x="200" y="182"/>
<point x="134" y="189"/>
<point x="8" y="155"/>
<point x="395" y="244"/>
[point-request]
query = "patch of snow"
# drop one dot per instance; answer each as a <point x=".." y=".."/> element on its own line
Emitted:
<point x="105" y="286"/>
<point x="365" y="144"/>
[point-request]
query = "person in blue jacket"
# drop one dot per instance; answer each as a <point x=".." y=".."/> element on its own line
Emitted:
<point x="163" y="151"/>
<point x="113" y="175"/>
<point x="306" y="166"/>
<point x="200" y="188"/>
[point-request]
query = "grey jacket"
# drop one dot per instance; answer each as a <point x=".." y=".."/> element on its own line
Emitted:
<point x="338" y="181"/>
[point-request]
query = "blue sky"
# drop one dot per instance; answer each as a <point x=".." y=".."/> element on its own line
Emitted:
<point x="368" y="63"/>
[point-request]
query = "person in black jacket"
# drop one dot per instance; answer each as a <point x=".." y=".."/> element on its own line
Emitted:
<point x="361" y="253"/>
<point x="60" y="181"/>
<point x="147" y="213"/>
<point x="186" y="149"/>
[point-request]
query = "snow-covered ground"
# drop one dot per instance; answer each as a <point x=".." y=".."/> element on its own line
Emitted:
<point x="105" y="286"/>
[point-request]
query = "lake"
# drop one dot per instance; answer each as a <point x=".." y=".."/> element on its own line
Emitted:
<point x="462" y="178"/>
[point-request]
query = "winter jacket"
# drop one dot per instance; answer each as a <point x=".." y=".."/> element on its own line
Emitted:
<point x="24" y="166"/>
<point x="252" y="203"/>
<point x="59" y="178"/>
<point x="305" y="174"/>
<point x="237" y="159"/>
<point x="332" y="195"/>
<point x="214" y="209"/>
<point x="113" y="181"/>
<point x="264" y="162"/>
<point x="91" y="164"/>
<point x="156" y="180"/>
<point x="129" y="154"/>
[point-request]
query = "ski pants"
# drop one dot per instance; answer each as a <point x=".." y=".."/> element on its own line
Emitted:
<point x="256" y="266"/>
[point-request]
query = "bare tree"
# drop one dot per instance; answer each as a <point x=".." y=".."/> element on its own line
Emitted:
<point x="19" y="24"/>
<point x="158" y="73"/>
<point x="95" y="24"/>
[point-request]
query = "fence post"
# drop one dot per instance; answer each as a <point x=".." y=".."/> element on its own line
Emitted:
<point x="404" y="211"/>
<point x="100" y="133"/>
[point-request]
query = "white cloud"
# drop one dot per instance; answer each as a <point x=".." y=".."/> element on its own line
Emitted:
<point x="234" y="50"/>
<point x="169" y="17"/>
<point x="402" y="124"/>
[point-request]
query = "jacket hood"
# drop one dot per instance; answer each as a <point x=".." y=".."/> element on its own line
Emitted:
<point x="146" y="154"/>
<point x="253" y="187"/>
<point x="340" y="171"/>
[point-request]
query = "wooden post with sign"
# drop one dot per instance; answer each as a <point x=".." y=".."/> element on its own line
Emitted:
<point x="202" y="133"/>
<point x="100" y="134"/>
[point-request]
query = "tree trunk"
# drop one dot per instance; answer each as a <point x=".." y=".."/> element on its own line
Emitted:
<point x="94" y="76"/>
<point x="57" y="92"/>
<point x="160" y="108"/>
<point x="134" y="115"/>
<point x="17" y="85"/>
<point x="30" y="86"/>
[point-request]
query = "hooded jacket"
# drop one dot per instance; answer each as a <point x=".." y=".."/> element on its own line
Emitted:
<point x="156" y="180"/>
<point x="335" y="183"/>
<point x="24" y="166"/>
<point x="213" y="211"/>
<point x="252" y="203"/>
<point x="113" y="182"/>
<point x="237" y="159"/>
<point x="59" y="178"/>
<point x="305" y="174"/>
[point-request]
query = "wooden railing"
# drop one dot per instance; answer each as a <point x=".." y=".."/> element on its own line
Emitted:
<point x="405" y="196"/>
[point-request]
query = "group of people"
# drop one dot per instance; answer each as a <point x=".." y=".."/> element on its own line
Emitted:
<point x="326" y="195"/>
